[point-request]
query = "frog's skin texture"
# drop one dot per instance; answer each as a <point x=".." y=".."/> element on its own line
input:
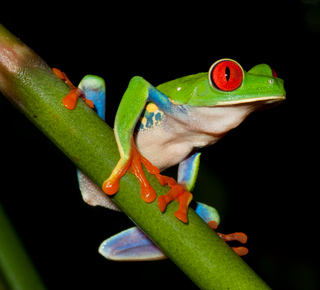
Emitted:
<point x="164" y="126"/>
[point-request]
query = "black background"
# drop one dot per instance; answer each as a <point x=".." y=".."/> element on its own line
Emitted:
<point x="262" y="177"/>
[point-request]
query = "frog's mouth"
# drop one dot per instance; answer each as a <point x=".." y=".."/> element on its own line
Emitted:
<point x="270" y="100"/>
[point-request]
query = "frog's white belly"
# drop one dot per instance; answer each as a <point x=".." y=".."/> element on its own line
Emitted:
<point x="172" y="140"/>
<point x="165" y="148"/>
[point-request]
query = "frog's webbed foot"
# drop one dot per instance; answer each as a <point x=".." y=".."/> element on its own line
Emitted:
<point x="148" y="194"/>
<point x="70" y="100"/>
<point x="211" y="217"/>
<point x="237" y="236"/>
<point x="111" y="185"/>
<point x="177" y="192"/>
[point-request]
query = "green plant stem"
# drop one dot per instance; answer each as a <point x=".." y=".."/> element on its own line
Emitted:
<point x="89" y="142"/>
<point x="16" y="268"/>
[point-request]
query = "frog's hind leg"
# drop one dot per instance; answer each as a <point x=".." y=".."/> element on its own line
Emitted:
<point x="211" y="217"/>
<point x="132" y="104"/>
<point x="92" y="194"/>
<point x="184" y="198"/>
<point x="187" y="175"/>
<point x="131" y="245"/>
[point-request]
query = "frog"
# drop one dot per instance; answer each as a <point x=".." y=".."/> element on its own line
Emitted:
<point x="167" y="125"/>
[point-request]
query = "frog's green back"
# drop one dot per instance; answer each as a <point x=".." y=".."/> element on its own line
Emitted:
<point x="182" y="89"/>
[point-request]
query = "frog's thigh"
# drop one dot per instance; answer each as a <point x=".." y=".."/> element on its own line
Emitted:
<point x="131" y="245"/>
<point x="92" y="194"/>
<point x="188" y="171"/>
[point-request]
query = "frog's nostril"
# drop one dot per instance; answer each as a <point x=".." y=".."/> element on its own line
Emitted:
<point x="274" y="74"/>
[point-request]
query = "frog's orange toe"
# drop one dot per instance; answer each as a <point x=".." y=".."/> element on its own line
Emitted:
<point x="240" y="237"/>
<point x="162" y="203"/>
<point x="183" y="196"/>
<point x="148" y="194"/>
<point x="181" y="216"/>
<point x="213" y="225"/>
<point x="59" y="73"/>
<point x="111" y="185"/>
<point x="70" y="100"/>
<point x="110" y="188"/>
<point x="241" y="251"/>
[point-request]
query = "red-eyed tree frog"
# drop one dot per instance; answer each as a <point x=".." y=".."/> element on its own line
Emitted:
<point x="167" y="125"/>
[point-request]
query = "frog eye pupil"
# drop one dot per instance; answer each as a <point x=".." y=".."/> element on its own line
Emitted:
<point x="226" y="75"/>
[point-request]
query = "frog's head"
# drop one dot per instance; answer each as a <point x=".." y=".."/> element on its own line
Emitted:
<point x="221" y="99"/>
<point x="228" y="84"/>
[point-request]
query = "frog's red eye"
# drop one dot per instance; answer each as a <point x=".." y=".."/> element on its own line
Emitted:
<point x="226" y="75"/>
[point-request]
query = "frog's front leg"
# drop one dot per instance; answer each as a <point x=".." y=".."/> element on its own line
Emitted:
<point x="138" y="94"/>
<point x="129" y="111"/>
